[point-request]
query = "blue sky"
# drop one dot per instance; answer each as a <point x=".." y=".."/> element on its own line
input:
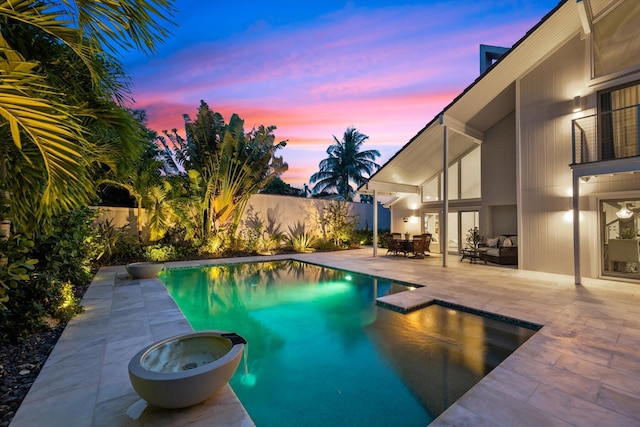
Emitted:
<point x="314" y="68"/>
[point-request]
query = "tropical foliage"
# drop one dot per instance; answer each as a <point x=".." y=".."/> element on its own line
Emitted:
<point x="223" y="165"/>
<point x="338" y="223"/>
<point x="144" y="181"/>
<point x="54" y="265"/>
<point x="278" y="186"/>
<point x="17" y="265"/>
<point x="117" y="244"/>
<point x="61" y="92"/>
<point x="345" y="164"/>
<point x="262" y="235"/>
<point x="300" y="238"/>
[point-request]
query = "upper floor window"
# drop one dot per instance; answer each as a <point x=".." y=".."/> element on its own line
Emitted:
<point x="464" y="180"/>
<point x="618" y="122"/>
<point x="616" y="39"/>
<point x="470" y="175"/>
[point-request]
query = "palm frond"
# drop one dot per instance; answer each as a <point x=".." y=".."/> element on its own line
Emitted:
<point x="122" y="24"/>
<point x="49" y="19"/>
<point x="27" y="106"/>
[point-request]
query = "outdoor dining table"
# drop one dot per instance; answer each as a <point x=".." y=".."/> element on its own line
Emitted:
<point x="407" y="245"/>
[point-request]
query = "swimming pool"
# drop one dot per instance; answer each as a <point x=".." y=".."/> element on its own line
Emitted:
<point x="321" y="352"/>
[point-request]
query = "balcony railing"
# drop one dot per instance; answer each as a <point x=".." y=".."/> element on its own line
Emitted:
<point x="606" y="136"/>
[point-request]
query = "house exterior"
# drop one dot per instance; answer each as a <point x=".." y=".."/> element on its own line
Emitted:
<point x="543" y="145"/>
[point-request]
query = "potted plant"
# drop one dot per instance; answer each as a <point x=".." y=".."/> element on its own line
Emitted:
<point x="474" y="237"/>
<point x="627" y="233"/>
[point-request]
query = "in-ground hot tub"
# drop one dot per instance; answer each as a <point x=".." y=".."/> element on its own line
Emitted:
<point x="144" y="270"/>
<point x="187" y="369"/>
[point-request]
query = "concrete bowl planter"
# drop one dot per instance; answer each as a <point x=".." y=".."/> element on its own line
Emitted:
<point x="144" y="270"/>
<point x="187" y="369"/>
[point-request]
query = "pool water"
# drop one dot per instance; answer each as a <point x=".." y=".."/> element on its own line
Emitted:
<point x="321" y="352"/>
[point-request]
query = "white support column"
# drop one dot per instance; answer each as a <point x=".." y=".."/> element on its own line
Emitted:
<point x="445" y="196"/>
<point x="576" y="229"/>
<point x="375" y="223"/>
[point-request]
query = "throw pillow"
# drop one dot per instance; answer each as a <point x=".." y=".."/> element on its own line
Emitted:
<point x="507" y="243"/>
<point x="492" y="243"/>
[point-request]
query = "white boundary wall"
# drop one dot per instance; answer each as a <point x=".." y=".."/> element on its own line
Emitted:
<point x="285" y="211"/>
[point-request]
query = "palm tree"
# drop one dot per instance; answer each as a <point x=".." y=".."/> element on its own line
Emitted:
<point x="345" y="164"/>
<point x="42" y="121"/>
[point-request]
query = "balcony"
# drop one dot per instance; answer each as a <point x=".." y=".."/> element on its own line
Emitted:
<point x="606" y="136"/>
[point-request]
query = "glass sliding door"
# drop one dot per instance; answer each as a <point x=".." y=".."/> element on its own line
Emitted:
<point x="618" y="122"/>
<point x="458" y="226"/>
<point x="468" y="220"/>
<point x="432" y="226"/>
<point x="620" y="220"/>
<point x="453" y="233"/>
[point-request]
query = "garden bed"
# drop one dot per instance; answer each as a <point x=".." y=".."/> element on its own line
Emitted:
<point x="20" y="364"/>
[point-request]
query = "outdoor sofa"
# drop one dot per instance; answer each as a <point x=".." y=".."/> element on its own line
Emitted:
<point x="501" y="250"/>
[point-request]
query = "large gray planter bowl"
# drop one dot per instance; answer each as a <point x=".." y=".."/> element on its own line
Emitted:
<point x="144" y="270"/>
<point x="186" y="369"/>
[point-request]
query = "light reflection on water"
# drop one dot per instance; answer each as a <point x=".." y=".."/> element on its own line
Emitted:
<point x="320" y="352"/>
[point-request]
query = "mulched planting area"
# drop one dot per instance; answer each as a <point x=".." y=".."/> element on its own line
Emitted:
<point x="20" y="364"/>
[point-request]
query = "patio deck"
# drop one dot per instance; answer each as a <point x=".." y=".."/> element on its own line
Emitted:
<point x="582" y="368"/>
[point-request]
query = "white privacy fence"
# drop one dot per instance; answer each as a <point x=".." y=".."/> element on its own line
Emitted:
<point x="285" y="211"/>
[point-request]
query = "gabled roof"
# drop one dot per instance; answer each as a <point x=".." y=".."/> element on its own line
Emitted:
<point x="482" y="104"/>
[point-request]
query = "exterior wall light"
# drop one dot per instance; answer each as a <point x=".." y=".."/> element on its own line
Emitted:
<point x="568" y="216"/>
<point x="577" y="104"/>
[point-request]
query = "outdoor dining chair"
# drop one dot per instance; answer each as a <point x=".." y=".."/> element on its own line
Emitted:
<point x="420" y="245"/>
<point x="394" y="245"/>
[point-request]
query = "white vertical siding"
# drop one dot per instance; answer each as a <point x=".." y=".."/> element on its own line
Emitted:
<point x="498" y="214"/>
<point x="546" y="97"/>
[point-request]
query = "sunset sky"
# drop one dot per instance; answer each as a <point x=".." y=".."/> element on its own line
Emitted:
<point x="314" y="68"/>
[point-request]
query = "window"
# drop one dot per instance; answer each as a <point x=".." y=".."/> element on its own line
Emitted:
<point x="618" y="120"/>
<point x="453" y="233"/>
<point x="464" y="180"/>
<point x="458" y="226"/>
<point x="430" y="191"/>
<point x="621" y="237"/>
<point x="453" y="182"/>
<point x="432" y="226"/>
<point x="470" y="175"/>
<point x="616" y="39"/>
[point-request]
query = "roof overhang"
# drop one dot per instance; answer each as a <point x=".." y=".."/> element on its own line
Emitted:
<point x="389" y="188"/>
<point x="486" y="101"/>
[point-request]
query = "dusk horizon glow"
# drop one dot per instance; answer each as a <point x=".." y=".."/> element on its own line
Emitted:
<point x="314" y="70"/>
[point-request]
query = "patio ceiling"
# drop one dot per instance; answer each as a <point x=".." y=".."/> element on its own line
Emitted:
<point x="418" y="162"/>
<point x="486" y="101"/>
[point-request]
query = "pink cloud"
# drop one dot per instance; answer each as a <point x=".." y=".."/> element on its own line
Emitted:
<point x="310" y="129"/>
<point x="387" y="71"/>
